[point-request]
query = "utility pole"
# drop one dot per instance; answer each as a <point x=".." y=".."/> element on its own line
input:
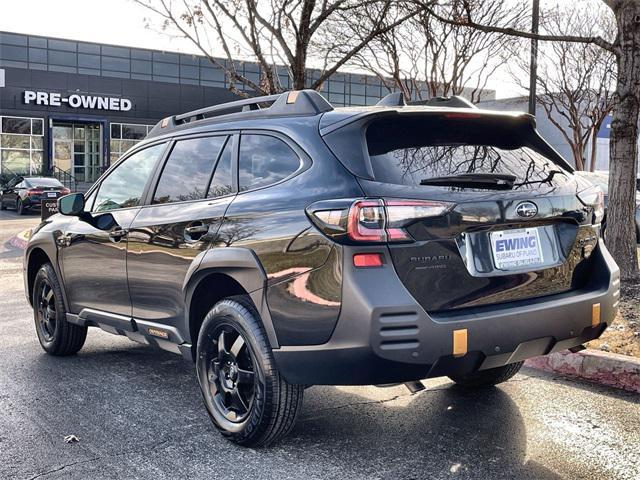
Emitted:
<point x="533" y="70"/>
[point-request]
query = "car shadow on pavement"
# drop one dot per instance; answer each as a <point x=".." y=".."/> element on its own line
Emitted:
<point x="439" y="431"/>
<point x="121" y="396"/>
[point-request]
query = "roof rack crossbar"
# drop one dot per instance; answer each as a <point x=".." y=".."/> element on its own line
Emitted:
<point x="204" y="112"/>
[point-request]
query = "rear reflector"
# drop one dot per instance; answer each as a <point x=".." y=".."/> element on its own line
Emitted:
<point x="459" y="342"/>
<point x="595" y="314"/>
<point x="367" y="260"/>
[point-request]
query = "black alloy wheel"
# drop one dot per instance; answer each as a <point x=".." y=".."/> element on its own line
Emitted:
<point x="248" y="400"/>
<point x="230" y="373"/>
<point x="46" y="311"/>
<point x="56" y="335"/>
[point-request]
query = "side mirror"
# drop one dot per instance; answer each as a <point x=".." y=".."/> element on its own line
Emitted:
<point x="72" y="204"/>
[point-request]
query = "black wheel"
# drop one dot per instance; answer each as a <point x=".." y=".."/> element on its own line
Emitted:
<point x="2" y="207"/>
<point x="247" y="399"/>
<point x="487" y="378"/>
<point x="56" y="335"/>
<point x="20" y="207"/>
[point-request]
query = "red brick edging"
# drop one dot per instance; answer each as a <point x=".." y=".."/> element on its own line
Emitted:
<point x="612" y="369"/>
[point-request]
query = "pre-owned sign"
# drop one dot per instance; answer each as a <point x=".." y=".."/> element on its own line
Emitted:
<point x="75" y="100"/>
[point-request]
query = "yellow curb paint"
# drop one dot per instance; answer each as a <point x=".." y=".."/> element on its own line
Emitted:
<point x="24" y="235"/>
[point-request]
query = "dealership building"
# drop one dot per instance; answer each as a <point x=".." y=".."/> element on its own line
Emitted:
<point x="69" y="108"/>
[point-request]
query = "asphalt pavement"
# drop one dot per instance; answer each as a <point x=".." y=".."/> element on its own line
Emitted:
<point x="137" y="413"/>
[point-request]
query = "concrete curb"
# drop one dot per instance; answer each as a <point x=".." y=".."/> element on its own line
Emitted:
<point x="21" y="239"/>
<point x="612" y="369"/>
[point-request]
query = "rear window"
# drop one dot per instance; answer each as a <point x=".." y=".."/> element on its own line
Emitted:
<point x="409" y="151"/>
<point x="43" y="182"/>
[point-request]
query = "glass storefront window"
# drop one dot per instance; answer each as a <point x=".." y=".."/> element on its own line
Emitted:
<point x="21" y="145"/>
<point x="124" y="136"/>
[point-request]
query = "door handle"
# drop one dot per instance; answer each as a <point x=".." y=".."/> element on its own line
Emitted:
<point x="195" y="231"/>
<point x="117" y="233"/>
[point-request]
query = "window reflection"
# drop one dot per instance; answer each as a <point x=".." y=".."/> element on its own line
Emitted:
<point x="188" y="169"/>
<point x="125" y="185"/>
<point x="264" y="160"/>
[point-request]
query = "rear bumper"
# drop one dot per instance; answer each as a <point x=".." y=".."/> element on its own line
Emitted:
<point x="33" y="203"/>
<point x="384" y="336"/>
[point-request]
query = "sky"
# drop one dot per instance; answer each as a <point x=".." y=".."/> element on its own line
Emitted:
<point x="119" y="22"/>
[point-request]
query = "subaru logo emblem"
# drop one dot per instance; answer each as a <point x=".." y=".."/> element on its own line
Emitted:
<point x="526" y="209"/>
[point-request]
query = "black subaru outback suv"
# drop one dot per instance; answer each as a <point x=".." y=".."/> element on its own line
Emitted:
<point x="281" y="243"/>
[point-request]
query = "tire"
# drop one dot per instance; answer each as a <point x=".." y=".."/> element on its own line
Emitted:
<point x="57" y="336"/>
<point x="2" y="206"/>
<point x="20" y="207"/>
<point x="246" y="397"/>
<point x="487" y="378"/>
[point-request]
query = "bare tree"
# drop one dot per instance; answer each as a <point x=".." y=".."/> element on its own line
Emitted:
<point x="277" y="34"/>
<point x="575" y="80"/>
<point x="623" y="166"/>
<point x="424" y="57"/>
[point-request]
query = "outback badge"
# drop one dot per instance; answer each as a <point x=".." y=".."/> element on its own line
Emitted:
<point x="526" y="209"/>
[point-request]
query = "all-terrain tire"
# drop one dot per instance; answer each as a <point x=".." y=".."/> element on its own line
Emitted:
<point x="275" y="403"/>
<point x="487" y="378"/>
<point x="56" y="335"/>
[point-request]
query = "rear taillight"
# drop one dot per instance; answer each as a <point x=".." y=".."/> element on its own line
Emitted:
<point x="374" y="220"/>
<point x="65" y="191"/>
<point x="33" y="191"/>
<point x="594" y="197"/>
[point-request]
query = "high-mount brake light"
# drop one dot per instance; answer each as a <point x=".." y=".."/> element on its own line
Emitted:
<point x="461" y="115"/>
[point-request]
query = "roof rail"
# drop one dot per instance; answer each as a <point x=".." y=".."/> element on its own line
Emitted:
<point x="395" y="99"/>
<point x="455" y="101"/>
<point x="295" y="102"/>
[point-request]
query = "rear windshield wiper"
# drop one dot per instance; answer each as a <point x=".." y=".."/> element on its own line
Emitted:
<point x="489" y="181"/>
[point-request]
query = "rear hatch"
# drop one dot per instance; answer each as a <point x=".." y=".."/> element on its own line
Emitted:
<point x="511" y="226"/>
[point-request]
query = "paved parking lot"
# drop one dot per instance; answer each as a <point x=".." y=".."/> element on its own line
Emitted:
<point x="138" y="414"/>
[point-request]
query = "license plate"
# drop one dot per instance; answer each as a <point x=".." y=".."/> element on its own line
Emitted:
<point x="52" y="194"/>
<point x="515" y="249"/>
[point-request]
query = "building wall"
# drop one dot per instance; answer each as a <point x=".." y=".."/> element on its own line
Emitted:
<point x="35" y="136"/>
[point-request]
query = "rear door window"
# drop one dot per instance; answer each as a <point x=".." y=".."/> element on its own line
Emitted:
<point x="409" y="151"/>
<point x="264" y="160"/>
<point x="188" y="169"/>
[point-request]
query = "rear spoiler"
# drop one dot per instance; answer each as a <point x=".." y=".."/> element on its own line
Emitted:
<point x="341" y="135"/>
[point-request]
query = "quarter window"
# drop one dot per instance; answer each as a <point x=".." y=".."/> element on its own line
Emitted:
<point x="221" y="184"/>
<point x="264" y="160"/>
<point x="124" y="186"/>
<point x="187" y="172"/>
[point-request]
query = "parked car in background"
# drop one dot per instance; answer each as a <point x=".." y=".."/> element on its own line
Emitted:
<point x="601" y="179"/>
<point x="24" y="193"/>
